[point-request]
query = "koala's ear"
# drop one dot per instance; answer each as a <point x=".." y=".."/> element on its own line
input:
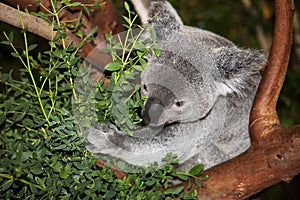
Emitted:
<point x="159" y="13"/>
<point x="237" y="69"/>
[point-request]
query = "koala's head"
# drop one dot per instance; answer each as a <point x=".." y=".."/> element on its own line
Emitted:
<point x="195" y="68"/>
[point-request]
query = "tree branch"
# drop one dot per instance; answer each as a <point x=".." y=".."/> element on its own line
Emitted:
<point x="256" y="169"/>
<point x="33" y="24"/>
<point x="264" y="117"/>
<point x="43" y="29"/>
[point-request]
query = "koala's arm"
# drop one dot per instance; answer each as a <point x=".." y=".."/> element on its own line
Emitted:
<point x="144" y="147"/>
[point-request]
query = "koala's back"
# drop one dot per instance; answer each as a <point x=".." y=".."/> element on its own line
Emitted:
<point x="221" y="135"/>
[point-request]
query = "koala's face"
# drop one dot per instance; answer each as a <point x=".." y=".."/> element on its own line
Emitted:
<point x="175" y="90"/>
<point x="195" y="67"/>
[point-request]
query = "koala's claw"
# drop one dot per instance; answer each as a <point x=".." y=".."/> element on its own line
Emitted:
<point x="97" y="140"/>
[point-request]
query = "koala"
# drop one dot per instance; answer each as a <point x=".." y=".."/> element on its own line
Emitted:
<point x="199" y="93"/>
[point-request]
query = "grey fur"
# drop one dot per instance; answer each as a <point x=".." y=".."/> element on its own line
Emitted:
<point x="200" y="92"/>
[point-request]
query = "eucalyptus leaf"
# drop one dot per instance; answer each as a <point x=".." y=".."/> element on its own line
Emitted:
<point x="113" y="66"/>
<point x="6" y="185"/>
<point x="126" y="5"/>
<point x="175" y="190"/>
<point x="11" y="37"/>
<point x="2" y="117"/>
<point x="32" y="46"/>
<point x="196" y="170"/>
<point x="182" y="176"/>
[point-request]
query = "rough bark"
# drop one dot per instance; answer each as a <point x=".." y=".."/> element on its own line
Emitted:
<point x="258" y="168"/>
<point x="264" y="116"/>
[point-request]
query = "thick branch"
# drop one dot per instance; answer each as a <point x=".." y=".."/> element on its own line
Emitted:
<point x="264" y="117"/>
<point x="33" y="24"/>
<point x="256" y="169"/>
<point x="43" y="29"/>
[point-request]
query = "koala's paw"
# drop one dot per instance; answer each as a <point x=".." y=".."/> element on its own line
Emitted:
<point x="98" y="141"/>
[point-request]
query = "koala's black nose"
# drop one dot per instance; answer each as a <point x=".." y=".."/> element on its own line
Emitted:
<point x="153" y="110"/>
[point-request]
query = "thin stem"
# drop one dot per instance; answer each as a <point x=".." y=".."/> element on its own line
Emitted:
<point x="132" y="46"/>
<point x="15" y="50"/>
<point x="38" y="93"/>
<point x="22" y="126"/>
<point x="15" y="87"/>
<point x="21" y="180"/>
<point x="55" y="13"/>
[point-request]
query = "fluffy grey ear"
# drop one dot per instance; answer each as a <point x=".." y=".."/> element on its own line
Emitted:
<point x="159" y="13"/>
<point x="237" y="69"/>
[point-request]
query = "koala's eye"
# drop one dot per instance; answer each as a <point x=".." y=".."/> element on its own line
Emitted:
<point x="178" y="103"/>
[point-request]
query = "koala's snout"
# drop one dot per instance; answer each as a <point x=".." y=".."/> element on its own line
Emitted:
<point x="153" y="110"/>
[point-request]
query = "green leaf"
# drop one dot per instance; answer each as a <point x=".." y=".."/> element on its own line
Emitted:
<point x="75" y="4"/>
<point x="108" y="36"/>
<point x="175" y="190"/>
<point x="138" y="67"/>
<point x="40" y="181"/>
<point x="37" y="170"/>
<point x="126" y="6"/>
<point x="25" y="155"/>
<point x="57" y="166"/>
<point x="74" y="61"/>
<point x="196" y="170"/>
<point x="80" y="45"/>
<point x="127" y="19"/>
<point x="182" y="175"/>
<point x="153" y="33"/>
<point x="94" y="30"/>
<point x="11" y="37"/>
<point x="166" y="185"/>
<point x="110" y="194"/>
<point x="140" y="54"/>
<point x="7" y="185"/>
<point x="197" y="182"/>
<point x="14" y="54"/>
<point x="143" y="61"/>
<point x="113" y="66"/>
<point x="2" y="117"/>
<point x="140" y="46"/>
<point x="57" y="36"/>
<point x="4" y="77"/>
<point x="32" y="46"/>
<point x="66" y="172"/>
<point x="151" y="182"/>
<point x="5" y="42"/>
<point x="205" y="178"/>
<point x="156" y="50"/>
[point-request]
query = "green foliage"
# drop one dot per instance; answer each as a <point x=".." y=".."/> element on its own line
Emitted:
<point x="42" y="149"/>
<point x="120" y="102"/>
